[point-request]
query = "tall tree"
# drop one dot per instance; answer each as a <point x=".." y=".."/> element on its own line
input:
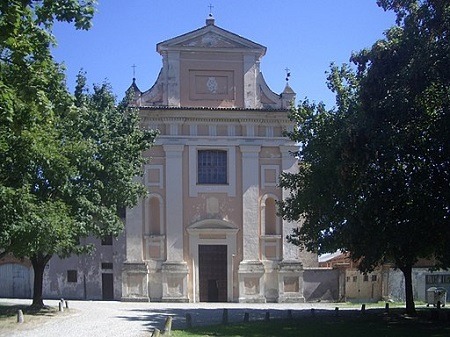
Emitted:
<point x="374" y="176"/>
<point x="66" y="163"/>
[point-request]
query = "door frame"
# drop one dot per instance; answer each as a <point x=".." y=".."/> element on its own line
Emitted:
<point x="212" y="232"/>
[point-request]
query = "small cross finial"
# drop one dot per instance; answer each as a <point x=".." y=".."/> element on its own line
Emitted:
<point x="134" y="70"/>
<point x="210" y="9"/>
<point x="288" y="74"/>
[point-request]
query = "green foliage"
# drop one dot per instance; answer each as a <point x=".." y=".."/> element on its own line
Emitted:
<point x="25" y="26"/>
<point x="374" y="179"/>
<point x="67" y="163"/>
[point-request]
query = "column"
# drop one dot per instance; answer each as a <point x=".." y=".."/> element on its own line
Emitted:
<point x="134" y="229"/>
<point x="174" y="269"/>
<point x="290" y="270"/>
<point x="288" y="164"/>
<point x="173" y="78"/>
<point x="251" y="269"/>
<point x="134" y="270"/>
<point x="174" y="201"/>
<point x="251" y="71"/>
<point x="250" y="200"/>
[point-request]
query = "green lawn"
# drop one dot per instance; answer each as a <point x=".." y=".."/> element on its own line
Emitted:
<point x="369" y="325"/>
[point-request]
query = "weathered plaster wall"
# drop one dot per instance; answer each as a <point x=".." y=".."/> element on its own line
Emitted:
<point x="321" y="285"/>
<point x="89" y="272"/>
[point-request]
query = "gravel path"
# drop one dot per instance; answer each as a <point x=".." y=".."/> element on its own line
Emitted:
<point x="99" y="318"/>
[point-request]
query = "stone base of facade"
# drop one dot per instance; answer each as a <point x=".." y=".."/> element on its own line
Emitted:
<point x="135" y="299"/>
<point x="290" y="282"/>
<point x="291" y="299"/>
<point x="135" y="282"/>
<point x="251" y="282"/>
<point x="174" y="285"/>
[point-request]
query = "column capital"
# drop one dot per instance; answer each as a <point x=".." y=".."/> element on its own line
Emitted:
<point x="246" y="149"/>
<point x="173" y="148"/>
<point x="287" y="150"/>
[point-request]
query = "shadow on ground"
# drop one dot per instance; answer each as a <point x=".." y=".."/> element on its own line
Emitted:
<point x="152" y="319"/>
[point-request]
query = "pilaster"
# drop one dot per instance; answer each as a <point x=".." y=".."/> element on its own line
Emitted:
<point x="174" y="202"/>
<point x="251" y="269"/>
<point x="251" y="282"/>
<point x="135" y="282"/>
<point x="290" y="282"/>
<point x="134" y="230"/>
<point x="250" y="201"/>
<point x="173" y="78"/>
<point x="288" y="164"/>
<point x="250" y="74"/>
<point x="174" y="282"/>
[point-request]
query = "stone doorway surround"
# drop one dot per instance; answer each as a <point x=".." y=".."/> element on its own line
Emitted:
<point x="212" y="232"/>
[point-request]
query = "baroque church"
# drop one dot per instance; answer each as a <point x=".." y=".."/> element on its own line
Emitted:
<point x="208" y="230"/>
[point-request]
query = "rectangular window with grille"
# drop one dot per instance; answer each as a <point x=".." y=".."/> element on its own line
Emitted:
<point x="72" y="276"/>
<point x="107" y="265"/>
<point x="433" y="279"/>
<point x="212" y="167"/>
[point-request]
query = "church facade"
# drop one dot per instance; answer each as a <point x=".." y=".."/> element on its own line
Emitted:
<point x="208" y="229"/>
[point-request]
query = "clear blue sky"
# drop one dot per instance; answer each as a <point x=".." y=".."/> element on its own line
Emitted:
<point x="302" y="35"/>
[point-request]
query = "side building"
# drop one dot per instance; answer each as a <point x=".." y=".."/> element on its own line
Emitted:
<point x="208" y="230"/>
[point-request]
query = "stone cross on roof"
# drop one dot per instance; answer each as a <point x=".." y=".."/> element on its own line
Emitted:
<point x="288" y="74"/>
<point x="134" y="70"/>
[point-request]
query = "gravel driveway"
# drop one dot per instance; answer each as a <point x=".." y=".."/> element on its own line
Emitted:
<point x="101" y="318"/>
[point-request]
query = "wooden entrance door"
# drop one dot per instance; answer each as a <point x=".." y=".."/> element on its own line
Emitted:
<point x="107" y="286"/>
<point x="212" y="272"/>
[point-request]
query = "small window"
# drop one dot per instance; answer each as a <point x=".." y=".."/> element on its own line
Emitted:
<point x="445" y="278"/>
<point x="212" y="167"/>
<point x="348" y="278"/>
<point x="107" y="240"/>
<point x="107" y="265"/>
<point x="366" y="278"/>
<point x="433" y="279"/>
<point x="355" y="278"/>
<point x="374" y="278"/>
<point x="72" y="276"/>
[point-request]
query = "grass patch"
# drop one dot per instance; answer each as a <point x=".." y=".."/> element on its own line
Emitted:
<point x="374" y="324"/>
<point x="32" y="316"/>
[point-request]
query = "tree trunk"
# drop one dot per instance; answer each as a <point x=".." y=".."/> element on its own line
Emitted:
<point x="410" y="307"/>
<point x="39" y="261"/>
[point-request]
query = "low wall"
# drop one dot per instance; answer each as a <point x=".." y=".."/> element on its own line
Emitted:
<point x="321" y="284"/>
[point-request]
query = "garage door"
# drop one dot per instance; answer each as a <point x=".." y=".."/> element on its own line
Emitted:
<point x="15" y="281"/>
